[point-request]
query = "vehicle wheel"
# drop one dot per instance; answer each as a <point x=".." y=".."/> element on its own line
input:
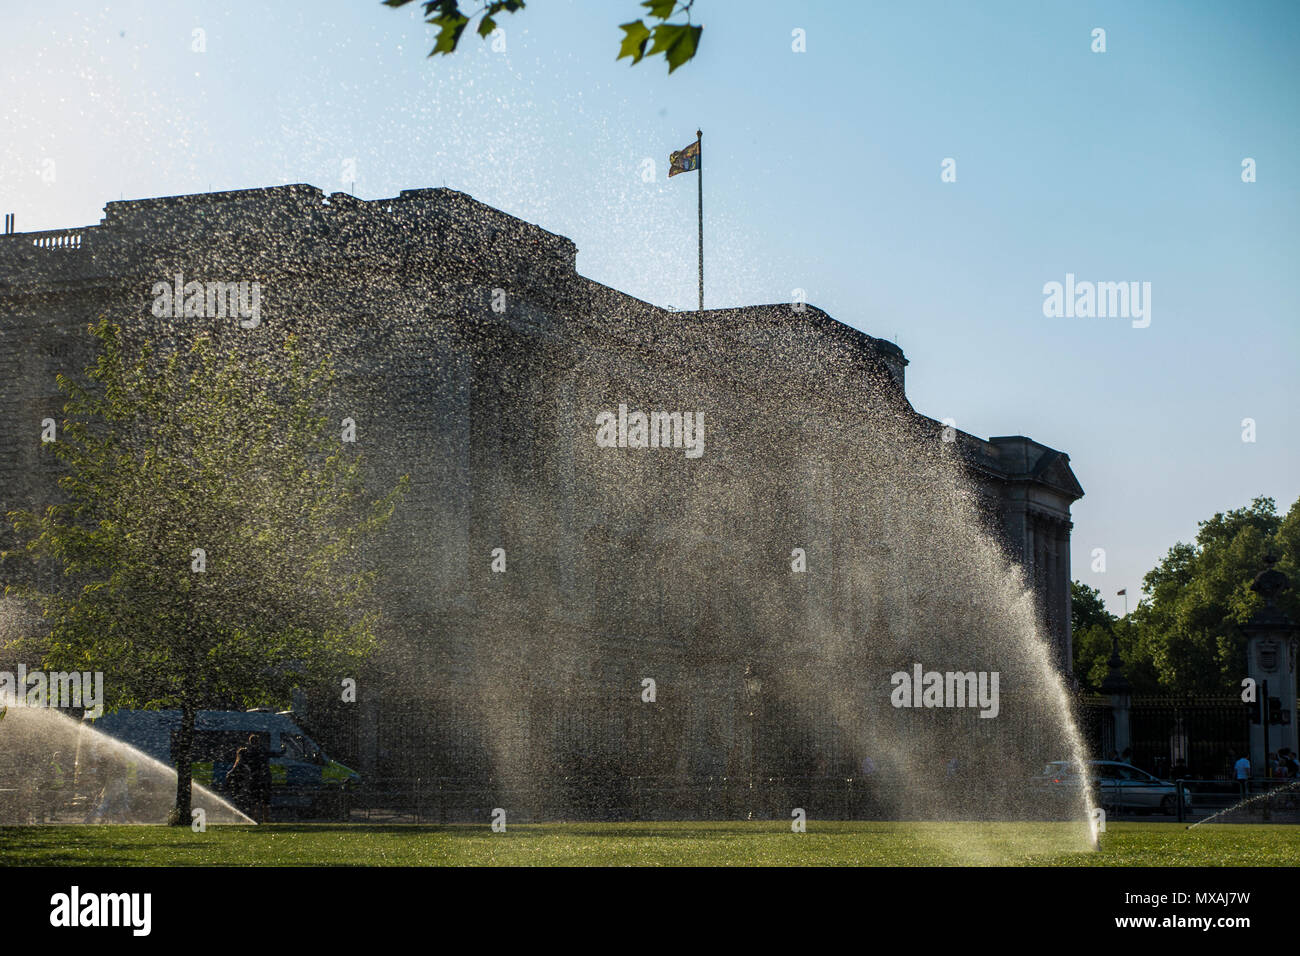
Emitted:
<point x="1168" y="806"/>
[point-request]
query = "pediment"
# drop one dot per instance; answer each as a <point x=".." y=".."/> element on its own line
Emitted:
<point x="1054" y="469"/>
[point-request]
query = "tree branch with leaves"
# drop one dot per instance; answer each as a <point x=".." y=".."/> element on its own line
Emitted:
<point x="676" y="42"/>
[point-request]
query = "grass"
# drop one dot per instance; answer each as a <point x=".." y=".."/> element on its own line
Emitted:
<point x="654" y="844"/>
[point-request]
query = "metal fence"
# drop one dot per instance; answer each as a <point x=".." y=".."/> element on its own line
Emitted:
<point x="1198" y="733"/>
<point x="1185" y="735"/>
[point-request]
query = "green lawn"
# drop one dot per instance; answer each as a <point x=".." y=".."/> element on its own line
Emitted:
<point x="710" y="844"/>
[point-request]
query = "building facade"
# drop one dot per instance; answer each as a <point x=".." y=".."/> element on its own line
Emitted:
<point x="477" y="360"/>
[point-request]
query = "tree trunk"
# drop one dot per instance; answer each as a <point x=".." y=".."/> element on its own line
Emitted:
<point x="184" y="748"/>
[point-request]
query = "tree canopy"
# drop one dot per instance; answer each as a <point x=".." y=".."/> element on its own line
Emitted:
<point x="1184" y="634"/>
<point x="210" y="536"/>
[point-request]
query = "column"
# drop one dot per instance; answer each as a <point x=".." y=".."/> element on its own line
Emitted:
<point x="1066" y="611"/>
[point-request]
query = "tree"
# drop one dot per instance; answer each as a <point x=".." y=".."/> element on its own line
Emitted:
<point x="1087" y="609"/>
<point x="1093" y="645"/>
<point x="1091" y="626"/>
<point x="1198" y="596"/>
<point x="677" y="42"/>
<point x="1093" y="629"/>
<point x="211" y="532"/>
<point x="1184" y="636"/>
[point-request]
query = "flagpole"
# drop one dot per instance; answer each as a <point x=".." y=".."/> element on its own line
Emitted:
<point x="700" y="184"/>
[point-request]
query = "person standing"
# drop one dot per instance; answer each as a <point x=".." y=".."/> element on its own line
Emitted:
<point x="1242" y="770"/>
<point x="259" y="778"/>
<point x="237" y="780"/>
<point x="866" y="807"/>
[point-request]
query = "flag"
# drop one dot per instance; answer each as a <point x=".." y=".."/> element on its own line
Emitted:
<point x="684" y="160"/>
<point x="1121" y="591"/>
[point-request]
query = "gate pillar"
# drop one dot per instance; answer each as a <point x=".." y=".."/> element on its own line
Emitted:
<point x="1271" y="656"/>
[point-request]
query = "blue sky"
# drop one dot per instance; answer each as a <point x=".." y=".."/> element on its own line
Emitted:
<point x="822" y="173"/>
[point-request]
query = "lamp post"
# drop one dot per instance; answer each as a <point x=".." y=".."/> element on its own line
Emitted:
<point x="1117" y="687"/>
<point x="753" y="688"/>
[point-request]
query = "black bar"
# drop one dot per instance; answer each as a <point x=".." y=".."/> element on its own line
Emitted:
<point x="257" y="908"/>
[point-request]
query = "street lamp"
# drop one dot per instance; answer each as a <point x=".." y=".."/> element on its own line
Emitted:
<point x="1117" y="687"/>
<point x="753" y="688"/>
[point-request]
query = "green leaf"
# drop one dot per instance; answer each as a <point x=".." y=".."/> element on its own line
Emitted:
<point x="684" y="47"/>
<point x="677" y="42"/>
<point x="451" y="22"/>
<point x="666" y="35"/>
<point x="450" y="27"/>
<point x="663" y="9"/>
<point x="635" y="40"/>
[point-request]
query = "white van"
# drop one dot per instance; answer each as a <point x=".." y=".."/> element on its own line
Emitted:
<point x="304" y="781"/>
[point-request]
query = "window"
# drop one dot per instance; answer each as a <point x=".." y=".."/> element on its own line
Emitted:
<point x="295" y="746"/>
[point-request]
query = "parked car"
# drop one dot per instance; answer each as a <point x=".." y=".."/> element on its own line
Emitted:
<point x="1117" y="786"/>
